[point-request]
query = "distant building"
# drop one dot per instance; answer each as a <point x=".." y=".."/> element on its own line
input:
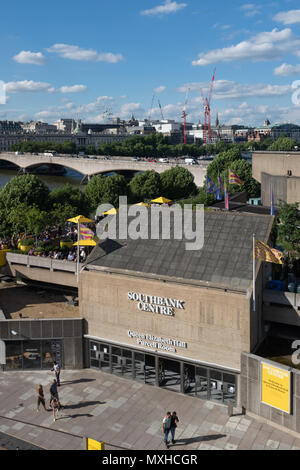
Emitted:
<point x="38" y="126"/>
<point x="9" y="127"/>
<point x="65" y="125"/>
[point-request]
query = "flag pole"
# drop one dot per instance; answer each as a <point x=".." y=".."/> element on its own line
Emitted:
<point x="254" y="266"/>
<point x="78" y="238"/>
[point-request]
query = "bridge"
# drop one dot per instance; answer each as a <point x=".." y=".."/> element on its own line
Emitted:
<point x="89" y="166"/>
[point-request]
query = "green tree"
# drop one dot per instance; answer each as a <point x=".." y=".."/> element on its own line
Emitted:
<point x="289" y="226"/>
<point x="70" y="196"/>
<point x="243" y="169"/>
<point x="283" y="143"/>
<point x="101" y="189"/>
<point x="26" y="189"/>
<point x="145" y="185"/>
<point x="177" y="183"/>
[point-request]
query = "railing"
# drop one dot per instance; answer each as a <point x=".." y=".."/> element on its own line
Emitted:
<point x="40" y="262"/>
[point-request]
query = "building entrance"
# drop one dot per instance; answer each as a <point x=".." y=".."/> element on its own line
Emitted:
<point x="180" y="376"/>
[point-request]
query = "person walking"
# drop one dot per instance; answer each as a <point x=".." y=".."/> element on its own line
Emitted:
<point x="166" y="425"/>
<point x="54" y="393"/>
<point x="174" y="422"/>
<point x="56" y="369"/>
<point x="40" y="398"/>
<point x="54" y="403"/>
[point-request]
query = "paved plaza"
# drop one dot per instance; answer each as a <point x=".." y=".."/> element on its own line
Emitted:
<point x="124" y="414"/>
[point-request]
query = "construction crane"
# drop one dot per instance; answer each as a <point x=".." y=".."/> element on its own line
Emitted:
<point x="207" y="121"/>
<point x="150" y="111"/>
<point x="184" y="115"/>
<point x="162" y="116"/>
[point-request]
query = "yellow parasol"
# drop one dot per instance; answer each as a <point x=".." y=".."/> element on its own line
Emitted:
<point x="86" y="243"/>
<point x="79" y="219"/>
<point x="111" y="212"/>
<point x="142" y="204"/>
<point x="161" y="200"/>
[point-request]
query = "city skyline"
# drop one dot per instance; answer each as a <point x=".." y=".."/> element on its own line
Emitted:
<point x="97" y="59"/>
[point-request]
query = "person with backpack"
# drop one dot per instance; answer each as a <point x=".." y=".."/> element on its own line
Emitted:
<point x="166" y="427"/>
<point x="174" y="422"/>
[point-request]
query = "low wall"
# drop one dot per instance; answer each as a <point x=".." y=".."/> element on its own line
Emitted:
<point x="250" y="392"/>
<point x="48" y="270"/>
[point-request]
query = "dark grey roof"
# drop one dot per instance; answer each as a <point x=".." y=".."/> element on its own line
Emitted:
<point x="225" y="259"/>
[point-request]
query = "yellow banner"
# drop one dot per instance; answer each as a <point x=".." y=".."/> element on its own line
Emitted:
<point x="94" y="445"/>
<point x="265" y="253"/>
<point x="275" y="387"/>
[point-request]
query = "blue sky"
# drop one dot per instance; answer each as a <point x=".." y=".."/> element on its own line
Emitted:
<point x="69" y="58"/>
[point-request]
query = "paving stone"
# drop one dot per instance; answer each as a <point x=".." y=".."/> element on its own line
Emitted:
<point x="272" y="444"/>
<point x="230" y="446"/>
<point x="284" y="446"/>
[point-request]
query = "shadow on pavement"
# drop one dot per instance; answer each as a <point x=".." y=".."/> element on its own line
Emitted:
<point x="78" y="381"/>
<point x="88" y="415"/>
<point x="211" y="437"/>
<point x="82" y="404"/>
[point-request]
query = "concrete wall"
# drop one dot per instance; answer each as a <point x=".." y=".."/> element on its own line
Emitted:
<point x="70" y="331"/>
<point x="272" y="168"/>
<point x="214" y="323"/>
<point x="42" y="269"/>
<point x="250" y="393"/>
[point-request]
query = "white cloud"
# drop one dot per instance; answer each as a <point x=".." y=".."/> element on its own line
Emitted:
<point x="227" y="89"/>
<point x="250" y="9"/>
<point x="72" y="52"/>
<point x="288" y="17"/>
<point x="267" y="45"/>
<point x="28" y="86"/>
<point x="128" y="109"/>
<point x="286" y="70"/>
<point x="73" y="89"/>
<point x="167" y="7"/>
<point x="159" y="89"/>
<point x="28" y="57"/>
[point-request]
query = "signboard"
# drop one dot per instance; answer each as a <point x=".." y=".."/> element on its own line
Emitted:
<point x="155" y="304"/>
<point x="91" y="444"/>
<point x="156" y="342"/>
<point x="276" y="387"/>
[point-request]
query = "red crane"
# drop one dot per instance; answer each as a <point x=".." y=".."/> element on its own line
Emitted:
<point x="206" y="103"/>
<point x="184" y="115"/>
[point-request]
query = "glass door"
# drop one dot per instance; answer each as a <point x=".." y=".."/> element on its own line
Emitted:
<point x="139" y="366"/>
<point x="150" y="373"/>
<point x="202" y="389"/>
<point x="169" y="374"/>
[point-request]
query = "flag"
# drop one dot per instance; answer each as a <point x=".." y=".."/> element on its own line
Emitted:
<point x="226" y="196"/>
<point x="220" y="184"/>
<point x="234" y="179"/>
<point x="272" y="201"/>
<point x="266" y="253"/>
<point x="211" y="188"/>
<point x="85" y="233"/>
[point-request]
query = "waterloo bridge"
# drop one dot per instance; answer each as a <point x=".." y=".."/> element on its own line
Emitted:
<point x="89" y="166"/>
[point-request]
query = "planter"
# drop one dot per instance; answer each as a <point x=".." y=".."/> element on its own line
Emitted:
<point x="3" y="257"/>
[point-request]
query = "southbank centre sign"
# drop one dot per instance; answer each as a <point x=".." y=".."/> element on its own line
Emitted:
<point x="155" y="304"/>
<point x="276" y="387"/>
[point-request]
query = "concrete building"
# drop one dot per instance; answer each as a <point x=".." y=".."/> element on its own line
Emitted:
<point x="281" y="170"/>
<point x="174" y="318"/>
<point x="65" y="125"/>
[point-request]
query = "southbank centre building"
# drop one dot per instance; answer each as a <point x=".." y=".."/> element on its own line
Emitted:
<point x="175" y="318"/>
